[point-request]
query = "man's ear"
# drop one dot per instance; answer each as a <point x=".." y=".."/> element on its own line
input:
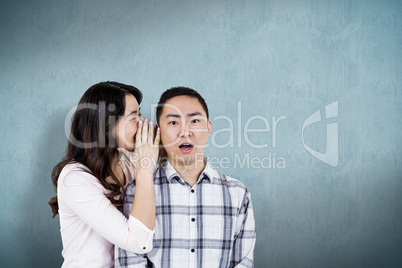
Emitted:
<point x="209" y="127"/>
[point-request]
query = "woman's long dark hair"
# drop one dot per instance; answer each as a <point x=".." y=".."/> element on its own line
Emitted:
<point x="91" y="141"/>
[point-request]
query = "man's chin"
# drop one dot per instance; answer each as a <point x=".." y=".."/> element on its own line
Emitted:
<point x="184" y="160"/>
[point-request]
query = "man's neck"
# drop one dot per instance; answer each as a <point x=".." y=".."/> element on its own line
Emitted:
<point x="189" y="172"/>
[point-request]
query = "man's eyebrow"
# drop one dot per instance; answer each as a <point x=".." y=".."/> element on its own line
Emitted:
<point x="194" y="114"/>
<point x="188" y="115"/>
<point x="173" y="115"/>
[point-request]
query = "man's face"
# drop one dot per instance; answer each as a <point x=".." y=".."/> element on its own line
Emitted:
<point x="184" y="129"/>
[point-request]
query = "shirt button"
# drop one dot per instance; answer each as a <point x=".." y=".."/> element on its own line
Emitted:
<point x="193" y="219"/>
<point x="144" y="248"/>
<point x="192" y="250"/>
<point x="192" y="190"/>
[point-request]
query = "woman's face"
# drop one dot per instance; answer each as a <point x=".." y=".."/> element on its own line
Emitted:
<point x="127" y="125"/>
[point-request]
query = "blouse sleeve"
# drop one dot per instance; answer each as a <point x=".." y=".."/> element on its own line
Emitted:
<point x="85" y="196"/>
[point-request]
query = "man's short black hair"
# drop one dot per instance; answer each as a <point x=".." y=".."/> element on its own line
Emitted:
<point x="179" y="91"/>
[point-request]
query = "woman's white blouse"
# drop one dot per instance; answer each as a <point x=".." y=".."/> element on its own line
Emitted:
<point x="90" y="225"/>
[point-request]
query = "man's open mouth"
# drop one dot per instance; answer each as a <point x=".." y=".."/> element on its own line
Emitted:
<point x="186" y="147"/>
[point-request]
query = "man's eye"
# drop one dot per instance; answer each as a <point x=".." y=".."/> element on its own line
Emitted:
<point x="173" y="123"/>
<point x="195" y="121"/>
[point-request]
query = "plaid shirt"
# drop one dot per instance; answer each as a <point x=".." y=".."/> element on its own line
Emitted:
<point x="208" y="225"/>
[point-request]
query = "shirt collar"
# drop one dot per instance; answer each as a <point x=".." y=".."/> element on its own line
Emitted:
<point x="208" y="172"/>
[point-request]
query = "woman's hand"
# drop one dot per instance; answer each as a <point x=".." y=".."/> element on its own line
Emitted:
<point x="146" y="150"/>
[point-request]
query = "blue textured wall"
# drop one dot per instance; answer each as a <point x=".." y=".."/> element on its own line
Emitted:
<point x="254" y="61"/>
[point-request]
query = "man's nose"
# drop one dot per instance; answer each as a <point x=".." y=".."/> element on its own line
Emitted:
<point x="185" y="130"/>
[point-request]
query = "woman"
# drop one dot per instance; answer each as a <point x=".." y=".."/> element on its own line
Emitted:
<point x="90" y="181"/>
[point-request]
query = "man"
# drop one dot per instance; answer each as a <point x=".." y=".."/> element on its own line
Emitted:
<point x="203" y="218"/>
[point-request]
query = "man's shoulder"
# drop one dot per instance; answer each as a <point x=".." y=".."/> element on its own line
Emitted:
<point x="236" y="189"/>
<point x="159" y="173"/>
<point x="229" y="181"/>
<point x="156" y="176"/>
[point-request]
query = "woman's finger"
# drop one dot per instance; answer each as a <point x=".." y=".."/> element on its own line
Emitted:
<point x="151" y="133"/>
<point x="157" y="137"/>
<point x="144" y="135"/>
<point x="138" y="135"/>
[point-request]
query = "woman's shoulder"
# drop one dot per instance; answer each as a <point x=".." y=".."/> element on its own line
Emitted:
<point x="76" y="173"/>
<point x="76" y="166"/>
<point x="77" y="186"/>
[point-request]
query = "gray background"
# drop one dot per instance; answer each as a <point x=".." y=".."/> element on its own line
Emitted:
<point x="275" y="58"/>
